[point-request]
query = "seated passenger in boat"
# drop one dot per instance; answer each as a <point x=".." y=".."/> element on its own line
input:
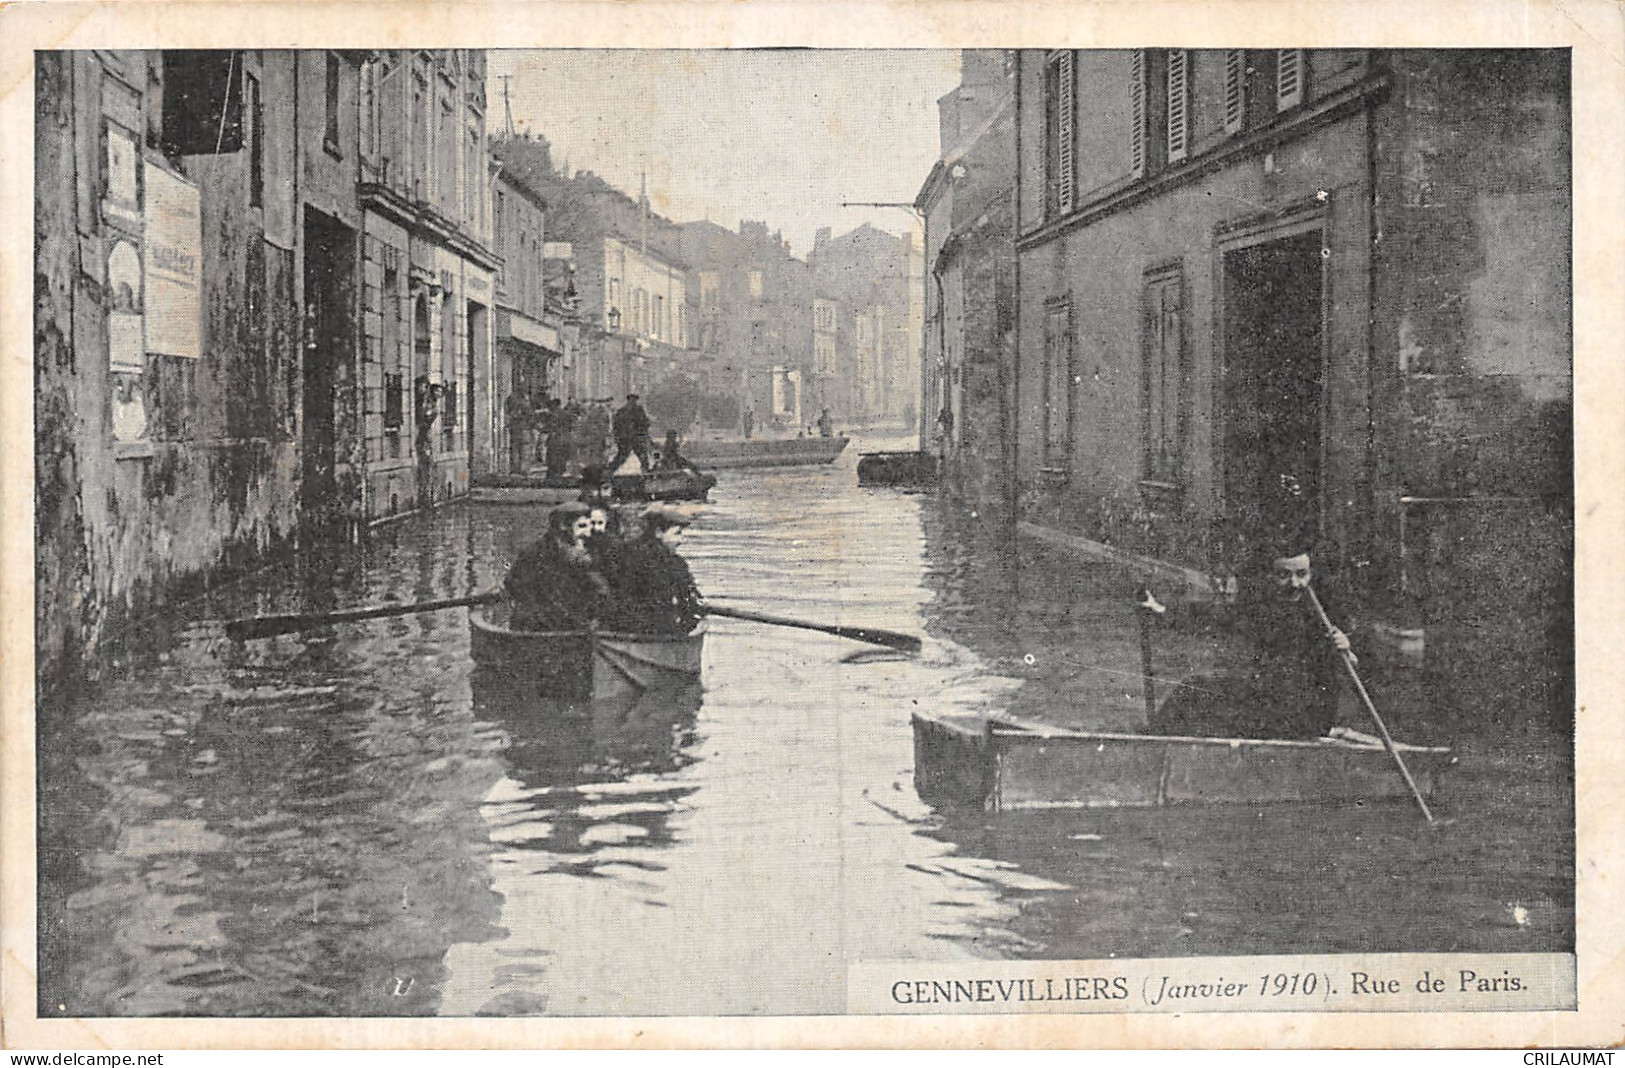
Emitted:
<point x="670" y="458"/>
<point x="1288" y="685"/>
<point x="604" y="537"/>
<point x="653" y="591"/>
<point x="553" y="584"/>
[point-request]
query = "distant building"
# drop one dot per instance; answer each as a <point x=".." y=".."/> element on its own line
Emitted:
<point x="876" y="279"/>
<point x="967" y="201"/>
<point x="1282" y="295"/>
<point x="752" y="303"/>
<point x="629" y="290"/>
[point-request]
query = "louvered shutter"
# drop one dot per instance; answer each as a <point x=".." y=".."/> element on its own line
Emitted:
<point x="1288" y="78"/>
<point x="1136" y="148"/>
<point x="1066" y="121"/>
<point x="1178" y="105"/>
<point x="1235" y="94"/>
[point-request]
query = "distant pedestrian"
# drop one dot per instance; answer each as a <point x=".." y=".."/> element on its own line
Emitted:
<point x="750" y="422"/>
<point x="670" y="458"/>
<point x="826" y="425"/>
<point x="595" y="425"/>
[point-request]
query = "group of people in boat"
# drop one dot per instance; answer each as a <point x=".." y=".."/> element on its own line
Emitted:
<point x="602" y="568"/>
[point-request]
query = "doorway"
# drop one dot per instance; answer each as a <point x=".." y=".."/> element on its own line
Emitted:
<point x="329" y="332"/>
<point x="1273" y="393"/>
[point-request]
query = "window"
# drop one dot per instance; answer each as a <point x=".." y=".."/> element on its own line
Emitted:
<point x="756" y="285"/>
<point x="1057" y="381"/>
<point x="394" y="403"/>
<point x="369" y="110"/>
<point x="1162" y="378"/>
<point x="256" y="138"/>
<point x="710" y="291"/>
<point x="1137" y="113"/>
<point x="1060" y="93"/>
<point x="1235" y="89"/>
<point x="447" y="193"/>
<point x="420" y="137"/>
<point x="330" y="139"/>
<point x="1179" y="104"/>
<point x="1288" y="78"/>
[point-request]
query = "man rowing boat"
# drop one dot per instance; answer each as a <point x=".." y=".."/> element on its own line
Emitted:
<point x="1287" y="685"/>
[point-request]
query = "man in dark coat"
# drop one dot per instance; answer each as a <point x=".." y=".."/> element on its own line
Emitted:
<point x="1286" y="685"/>
<point x="553" y="584"/>
<point x="631" y="429"/>
<point x="653" y="588"/>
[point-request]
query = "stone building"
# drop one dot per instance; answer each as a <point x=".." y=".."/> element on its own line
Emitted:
<point x="876" y="278"/>
<point x="194" y="326"/>
<point x="752" y="305"/>
<point x="966" y="389"/>
<point x="630" y="289"/>
<point x="529" y="347"/>
<point x="428" y="278"/>
<point x="260" y="276"/>
<point x="1281" y="295"/>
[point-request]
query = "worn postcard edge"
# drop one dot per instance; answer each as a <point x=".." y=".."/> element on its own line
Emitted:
<point x="1592" y="29"/>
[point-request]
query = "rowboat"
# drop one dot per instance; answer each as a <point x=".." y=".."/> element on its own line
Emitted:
<point x="764" y="452"/>
<point x="910" y="470"/>
<point x="689" y="484"/>
<point x="575" y="664"/>
<point x="1003" y="766"/>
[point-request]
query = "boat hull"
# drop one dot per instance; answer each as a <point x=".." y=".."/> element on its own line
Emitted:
<point x="1005" y="767"/>
<point x="578" y="664"/>
<point x="765" y="452"/>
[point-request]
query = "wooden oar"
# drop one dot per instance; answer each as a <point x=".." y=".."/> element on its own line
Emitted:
<point x="891" y="639"/>
<point x="1382" y="728"/>
<point x="270" y="626"/>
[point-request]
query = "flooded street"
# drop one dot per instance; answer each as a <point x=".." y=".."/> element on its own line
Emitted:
<point x="353" y="822"/>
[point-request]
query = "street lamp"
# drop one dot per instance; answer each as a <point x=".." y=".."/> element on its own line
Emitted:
<point x="614" y="318"/>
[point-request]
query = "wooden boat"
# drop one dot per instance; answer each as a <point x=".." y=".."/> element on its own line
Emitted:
<point x="575" y="664"/>
<point x="687" y="484"/>
<point x="764" y="452"/>
<point x="908" y="470"/>
<point x="1003" y="766"/>
<point x="690" y="484"/>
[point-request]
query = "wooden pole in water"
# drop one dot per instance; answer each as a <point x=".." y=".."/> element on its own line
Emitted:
<point x="1147" y="606"/>
<point x="1382" y="728"/>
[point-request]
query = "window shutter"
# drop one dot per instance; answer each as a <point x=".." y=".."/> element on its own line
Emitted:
<point x="1178" y="105"/>
<point x="1066" y="123"/>
<point x="1235" y="94"/>
<point x="1288" y="78"/>
<point x="1136" y="148"/>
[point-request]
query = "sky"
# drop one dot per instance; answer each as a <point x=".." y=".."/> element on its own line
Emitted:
<point x="779" y="135"/>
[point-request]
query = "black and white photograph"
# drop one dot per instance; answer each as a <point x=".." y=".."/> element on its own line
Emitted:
<point x="529" y="533"/>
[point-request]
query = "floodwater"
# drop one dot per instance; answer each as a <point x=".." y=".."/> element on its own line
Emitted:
<point x="352" y="822"/>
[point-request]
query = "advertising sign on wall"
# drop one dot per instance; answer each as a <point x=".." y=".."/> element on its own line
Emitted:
<point x="173" y="265"/>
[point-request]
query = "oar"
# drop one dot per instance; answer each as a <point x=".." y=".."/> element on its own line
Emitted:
<point x="891" y="639"/>
<point x="270" y="626"/>
<point x="1382" y="728"/>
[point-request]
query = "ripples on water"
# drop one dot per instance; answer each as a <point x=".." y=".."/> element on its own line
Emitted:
<point x="355" y="822"/>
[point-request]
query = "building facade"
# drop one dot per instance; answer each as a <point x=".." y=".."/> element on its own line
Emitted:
<point x="966" y="391"/>
<point x="752" y="306"/>
<point x="1272" y="296"/>
<point x="876" y="277"/>
<point x="428" y="278"/>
